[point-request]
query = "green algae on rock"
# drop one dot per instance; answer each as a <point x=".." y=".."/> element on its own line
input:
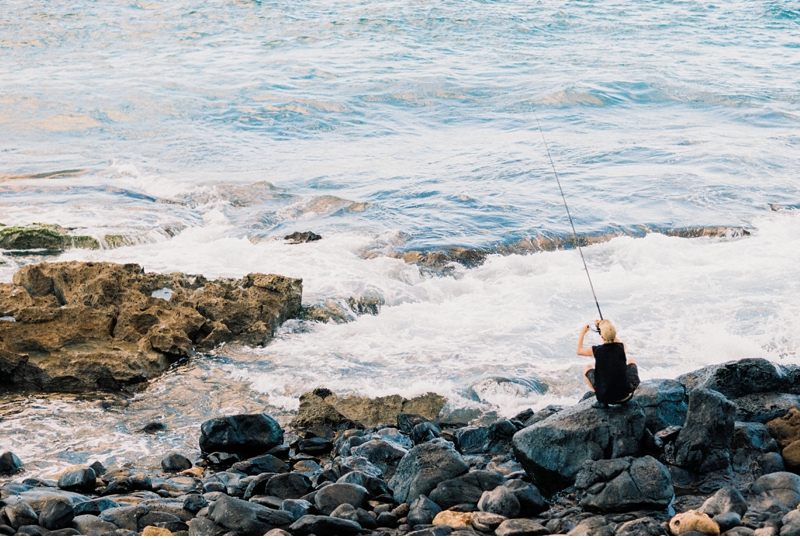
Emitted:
<point x="40" y="236"/>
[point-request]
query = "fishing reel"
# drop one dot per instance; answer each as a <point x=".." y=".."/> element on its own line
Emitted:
<point x="595" y="326"/>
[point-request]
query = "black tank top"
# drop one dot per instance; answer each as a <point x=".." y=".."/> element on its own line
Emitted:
<point x="610" y="372"/>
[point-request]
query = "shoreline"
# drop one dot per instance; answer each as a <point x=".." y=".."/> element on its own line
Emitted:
<point x="716" y="441"/>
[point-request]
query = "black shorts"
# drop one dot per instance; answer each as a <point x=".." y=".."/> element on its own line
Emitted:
<point x="633" y="380"/>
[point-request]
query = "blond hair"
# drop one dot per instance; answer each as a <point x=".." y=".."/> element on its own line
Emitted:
<point x="607" y="331"/>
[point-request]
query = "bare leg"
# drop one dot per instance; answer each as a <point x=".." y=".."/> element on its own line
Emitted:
<point x="586" y="369"/>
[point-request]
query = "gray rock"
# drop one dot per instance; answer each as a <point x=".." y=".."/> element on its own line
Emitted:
<point x="122" y="480"/>
<point x="664" y="403"/>
<point x="387" y="519"/>
<point x="31" y="529"/>
<point x="64" y="532"/>
<point x="245" y="435"/>
<point x="374" y="485"/>
<point x="382" y="453"/>
<point x="324" y="525"/>
<point x="194" y="502"/>
<point x="424" y="467"/>
<point x="126" y="517"/>
<point x="82" y="479"/>
<point x="531" y="502"/>
<point x="332" y="496"/>
<point x="93" y="525"/>
<point x="779" y="491"/>
<point x="725" y="500"/>
<point x="175" y="462"/>
<point x="55" y="514"/>
<point x="624" y="484"/>
<point x="646" y="526"/>
<point x="347" y="511"/>
<point x="499" y="501"/>
<point x="472" y="440"/>
<point x="21" y="514"/>
<point x="704" y="442"/>
<point x="736" y="378"/>
<point x="520" y="526"/>
<point x="739" y="531"/>
<point x="764" y="407"/>
<point x="790" y="523"/>
<point x="6" y="530"/>
<point x="422" y="511"/>
<point x="9" y="463"/>
<point x="261" y="464"/>
<point x="288" y="486"/>
<point x="465" y="489"/>
<point x="94" y="507"/>
<point x="297" y="508"/>
<point x="200" y="526"/>
<point x="751" y="444"/>
<point x="592" y="526"/>
<point x="728" y="520"/>
<point x="158" y="519"/>
<point x="486" y="522"/>
<point x="553" y="450"/>
<point x="246" y="517"/>
<point x="431" y="531"/>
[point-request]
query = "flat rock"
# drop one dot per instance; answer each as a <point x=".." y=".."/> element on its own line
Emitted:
<point x="424" y="467"/>
<point x="486" y="522"/>
<point x="520" y="526"/>
<point x="261" y="464"/>
<point x="288" y="486"/>
<point x="592" y="526"/>
<point x="779" y="491"/>
<point x="554" y="450"/>
<point x="93" y="525"/>
<point x="764" y="407"/>
<point x="87" y="326"/>
<point x="324" y="525"/>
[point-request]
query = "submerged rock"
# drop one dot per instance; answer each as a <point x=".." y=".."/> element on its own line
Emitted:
<point x="75" y="326"/>
<point x="51" y="238"/>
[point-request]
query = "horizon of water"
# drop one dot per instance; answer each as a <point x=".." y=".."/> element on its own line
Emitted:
<point x="204" y="132"/>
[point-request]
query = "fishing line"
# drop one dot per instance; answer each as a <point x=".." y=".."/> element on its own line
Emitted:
<point x="574" y="234"/>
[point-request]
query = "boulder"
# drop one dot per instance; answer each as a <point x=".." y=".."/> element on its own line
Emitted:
<point x="520" y="527"/>
<point x="693" y="522"/>
<point x="175" y="462"/>
<point x="422" y="511"/>
<point x="20" y="514"/>
<point x="764" y="407"/>
<point x="93" y="525"/>
<point x="467" y="488"/>
<point x="323" y="407"/>
<point x="324" y="525"/>
<point x="126" y="517"/>
<point x="499" y="501"/>
<point x="122" y="480"/>
<point x="87" y="326"/>
<point x="332" y="496"/>
<point x="592" y="526"/>
<point x="287" y="486"/>
<point x="201" y="526"/>
<point x="779" y="491"/>
<point x="374" y="485"/>
<point x="736" y="379"/>
<point x="245" y="434"/>
<point x="704" y="442"/>
<point x="9" y="462"/>
<point x="472" y="440"/>
<point x="383" y="454"/>
<point x="298" y="508"/>
<point x="664" y="403"/>
<point x="646" y="526"/>
<point x="424" y="467"/>
<point x="362" y="516"/>
<point x="531" y="502"/>
<point x="624" y="484"/>
<point x="94" y="507"/>
<point x="261" y="464"/>
<point x="245" y="517"/>
<point x="79" y="479"/>
<point x="56" y="514"/>
<point x="554" y="450"/>
<point x="725" y="500"/>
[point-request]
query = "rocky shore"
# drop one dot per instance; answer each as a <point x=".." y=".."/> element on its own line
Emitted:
<point x="714" y="452"/>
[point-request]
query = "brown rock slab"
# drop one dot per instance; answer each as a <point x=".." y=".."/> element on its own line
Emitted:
<point x="78" y="326"/>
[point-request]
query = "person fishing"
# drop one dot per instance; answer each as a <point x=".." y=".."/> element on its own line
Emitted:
<point x="613" y="377"/>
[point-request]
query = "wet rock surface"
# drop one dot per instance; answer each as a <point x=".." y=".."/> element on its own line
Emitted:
<point x="411" y="475"/>
<point x="78" y="326"/>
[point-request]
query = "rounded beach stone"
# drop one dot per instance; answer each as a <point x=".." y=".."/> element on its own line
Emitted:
<point x="499" y="501"/>
<point x="363" y="517"/>
<point x="9" y="463"/>
<point x="728" y="520"/>
<point x="693" y="521"/>
<point x="56" y="514"/>
<point x="725" y="500"/>
<point x="245" y="434"/>
<point x="79" y="479"/>
<point x="153" y="531"/>
<point x="486" y="522"/>
<point x="452" y="519"/>
<point x="324" y="525"/>
<point x="520" y="526"/>
<point x="332" y="496"/>
<point x="288" y="486"/>
<point x="646" y="526"/>
<point x="387" y="519"/>
<point x="175" y="462"/>
<point x="422" y="511"/>
<point x="21" y="514"/>
<point x="593" y="526"/>
<point x="424" y="467"/>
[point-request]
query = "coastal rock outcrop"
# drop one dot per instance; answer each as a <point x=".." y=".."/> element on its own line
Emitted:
<point x="624" y="484"/>
<point x="75" y="326"/>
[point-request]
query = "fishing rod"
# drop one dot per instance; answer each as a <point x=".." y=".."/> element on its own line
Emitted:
<point x="574" y="234"/>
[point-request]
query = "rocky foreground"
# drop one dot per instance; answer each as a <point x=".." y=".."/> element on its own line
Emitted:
<point x="713" y="453"/>
<point x="82" y="326"/>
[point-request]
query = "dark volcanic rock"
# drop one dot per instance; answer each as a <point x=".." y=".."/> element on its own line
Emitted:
<point x="9" y="462"/>
<point x="736" y="379"/>
<point x="764" y="407"/>
<point x="499" y="501"/>
<point x="302" y="237"/>
<point x="298" y="508"/>
<point x="245" y="435"/>
<point x="422" y="511"/>
<point x="95" y="506"/>
<point x="125" y="517"/>
<point x="618" y="485"/>
<point x="175" y="462"/>
<point x="531" y="502"/>
<point x="288" y="486"/>
<point x="261" y="464"/>
<point x="592" y="526"/>
<point x="664" y="403"/>
<point x="56" y="514"/>
<point x="374" y="485"/>
<point x="383" y="454"/>
<point x="79" y="479"/>
<point x="201" y="526"/>
<point x="776" y="491"/>
<point x="704" y="442"/>
<point x="362" y="516"/>
<point x="554" y="449"/>
<point x="332" y="496"/>
<point x="93" y="525"/>
<point x="81" y="326"/>
<point x="323" y="525"/>
<point x="472" y="440"/>
<point x="424" y="467"/>
<point x="246" y="517"/>
<point x="20" y="514"/>
<point x="725" y="500"/>
<point x="646" y="526"/>
<point x="460" y="490"/>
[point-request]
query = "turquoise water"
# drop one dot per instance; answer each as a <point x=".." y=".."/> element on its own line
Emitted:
<point x="202" y="132"/>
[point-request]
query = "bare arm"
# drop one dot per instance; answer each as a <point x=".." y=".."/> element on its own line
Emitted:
<point x="582" y="350"/>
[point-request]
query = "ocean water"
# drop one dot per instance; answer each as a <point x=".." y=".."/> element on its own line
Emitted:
<point x="202" y="132"/>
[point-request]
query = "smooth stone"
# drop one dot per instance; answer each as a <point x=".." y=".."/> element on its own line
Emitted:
<point x="374" y="485"/>
<point x="387" y="519"/>
<point x="79" y="479"/>
<point x="64" y="532"/>
<point x="779" y="491"/>
<point x="245" y="434"/>
<point x="31" y="529"/>
<point x="246" y="517"/>
<point x="288" y="486"/>
<point x="592" y="526"/>
<point x="362" y="516"/>
<point x="725" y="500"/>
<point x="424" y="467"/>
<point x="728" y="520"/>
<point x="324" y="525"/>
<point x="422" y="511"/>
<point x="200" y="526"/>
<point x="297" y="508"/>
<point x="154" y="531"/>
<point x="500" y="501"/>
<point x="646" y="526"/>
<point x="452" y="519"/>
<point x="21" y="514"/>
<point x="434" y="531"/>
<point x="531" y="502"/>
<point x="261" y="464"/>
<point x="383" y="454"/>
<point x="194" y="502"/>
<point x="790" y="523"/>
<point x="93" y="525"/>
<point x="126" y="517"/>
<point x="175" y="462"/>
<point x="332" y="496"/>
<point x="520" y="526"/>
<point x="9" y="463"/>
<point x="94" y="507"/>
<point x="739" y="531"/>
<point x="56" y="514"/>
